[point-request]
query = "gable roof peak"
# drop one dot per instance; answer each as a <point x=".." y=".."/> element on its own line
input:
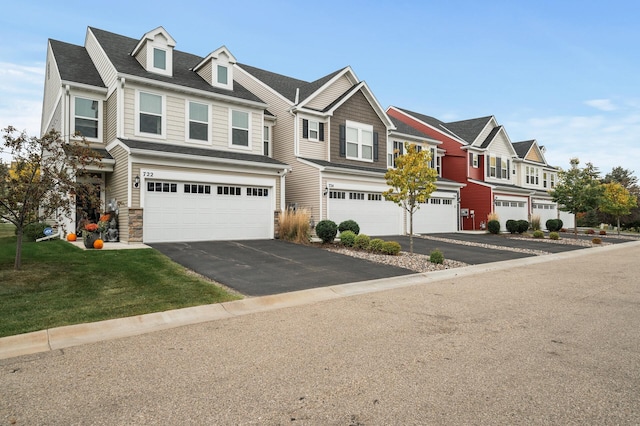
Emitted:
<point x="151" y="35"/>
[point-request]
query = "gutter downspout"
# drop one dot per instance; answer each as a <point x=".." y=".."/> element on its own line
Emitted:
<point x="67" y="113"/>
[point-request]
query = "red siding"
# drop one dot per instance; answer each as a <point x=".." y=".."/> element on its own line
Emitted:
<point x="478" y="174"/>
<point x="478" y="198"/>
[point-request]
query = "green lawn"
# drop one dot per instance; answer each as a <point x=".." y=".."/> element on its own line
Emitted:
<point x="60" y="284"/>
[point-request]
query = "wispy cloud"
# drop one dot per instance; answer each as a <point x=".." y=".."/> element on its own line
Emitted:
<point x="602" y="104"/>
<point x="21" y="89"/>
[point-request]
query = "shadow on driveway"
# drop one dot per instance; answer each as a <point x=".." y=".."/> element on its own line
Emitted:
<point x="264" y="267"/>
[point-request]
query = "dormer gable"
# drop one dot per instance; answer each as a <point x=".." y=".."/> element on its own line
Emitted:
<point x="154" y="51"/>
<point x="217" y="68"/>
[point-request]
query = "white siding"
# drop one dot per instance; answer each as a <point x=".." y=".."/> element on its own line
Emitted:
<point x="100" y="60"/>
<point x="52" y="92"/>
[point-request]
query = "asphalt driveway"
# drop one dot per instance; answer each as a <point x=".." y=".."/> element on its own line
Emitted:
<point x="263" y="267"/>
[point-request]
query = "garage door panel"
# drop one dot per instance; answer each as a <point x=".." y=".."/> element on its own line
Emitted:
<point x="437" y="215"/>
<point x="207" y="212"/>
<point x="374" y="215"/>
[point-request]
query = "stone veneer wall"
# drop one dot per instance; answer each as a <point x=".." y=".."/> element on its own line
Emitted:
<point x="135" y="225"/>
<point x="276" y="223"/>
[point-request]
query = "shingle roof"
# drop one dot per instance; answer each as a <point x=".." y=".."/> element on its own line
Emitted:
<point x="402" y="127"/>
<point x="199" y="152"/>
<point x="468" y="129"/>
<point x="522" y="148"/>
<point x="490" y="137"/>
<point x="287" y="86"/>
<point x="432" y="121"/>
<point x="74" y="64"/>
<point x="118" y="48"/>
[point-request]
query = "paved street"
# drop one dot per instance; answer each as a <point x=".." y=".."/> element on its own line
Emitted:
<point x="549" y="343"/>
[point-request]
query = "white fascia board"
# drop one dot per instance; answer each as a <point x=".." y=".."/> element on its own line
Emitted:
<point x="85" y="87"/>
<point x="267" y="87"/>
<point x="394" y="134"/>
<point x="190" y="91"/>
<point x="328" y="84"/>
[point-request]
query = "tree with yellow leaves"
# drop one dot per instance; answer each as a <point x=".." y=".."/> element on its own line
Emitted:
<point x="411" y="182"/>
<point x="617" y="201"/>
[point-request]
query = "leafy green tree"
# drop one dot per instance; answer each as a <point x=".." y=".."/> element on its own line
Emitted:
<point x="617" y="201"/>
<point x="578" y="189"/>
<point x="626" y="178"/>
<point x="411" y="182"/>
<point x="43" y="180"/>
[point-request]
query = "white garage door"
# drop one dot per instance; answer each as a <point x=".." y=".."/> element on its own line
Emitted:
<point x="185" y="211"/>
<point x="437" y="215"/>
<point x="546" y="211"/>
<point x="511" y="209"/>
<point x="374" y="214"/>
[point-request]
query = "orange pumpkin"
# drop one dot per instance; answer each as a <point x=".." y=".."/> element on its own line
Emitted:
<point x="98" y="244"/>
<point x="71" y="237"/>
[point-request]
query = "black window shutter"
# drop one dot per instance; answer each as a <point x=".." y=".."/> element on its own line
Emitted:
<point x="375" y="146"/>
<point x="499" y="167"/>
<point x="321" y="131"/>
<point x="471" y="158"/>
<point x="488" y="171"/>
<point x="343" y="141"/>
<point x="508" y="170"/>
<point x="305" y="129"/>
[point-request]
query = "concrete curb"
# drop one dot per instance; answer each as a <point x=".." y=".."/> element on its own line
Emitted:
<point x="80" y="334"/>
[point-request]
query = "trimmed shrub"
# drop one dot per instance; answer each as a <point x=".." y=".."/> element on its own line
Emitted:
<point x="326" y="230"/>
<point x="391" y="248"/>
<point x="538" y="234"/>
<point x="523" y="226"/>
<point x="375" y="245"/>
<point x="512" y="226"/>
<point x="436" y="256"/>
<point x="554" y="236"/>
<point x="596" y="241"/>
<point x="349" y="225"/>
<point x="33" y="231"/>
<point x="554" y="225"/>
<point x="361" y="241"/>
<point x="603" y="232"/>
<point x="347" y="238"/>
<point x="493" y="226"/>
<point x="535" y="222"/>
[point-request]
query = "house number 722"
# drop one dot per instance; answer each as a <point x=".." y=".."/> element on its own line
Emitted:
<point x="147" y="174"/>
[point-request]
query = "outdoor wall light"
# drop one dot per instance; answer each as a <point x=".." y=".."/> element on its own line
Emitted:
<point x="136" y="182"/>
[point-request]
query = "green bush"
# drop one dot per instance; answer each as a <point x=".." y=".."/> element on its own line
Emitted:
<point x="494" y="226"/>
<point x="512" y="226"/>
<point x="375" y="245"/>
<point x="361" y="241"/>
<point x="436" y="256"/>
<point x="326" y="230"/>
<point x="554" y="236"/>
<point x="391" y="248"/>
<point x="347" y="238"/>
<point x="523" y="226"/>
<point x="596" y="241"/>
<point x="349" y="225"/>
<point x="538" y="234"/>
<point x="554" y="225"/>
<point x="33" y="231"/>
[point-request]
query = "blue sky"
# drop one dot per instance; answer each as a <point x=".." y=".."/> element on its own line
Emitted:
<point x="566" y="73"/>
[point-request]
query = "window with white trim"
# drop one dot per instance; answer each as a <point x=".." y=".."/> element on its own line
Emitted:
<point x="397" y="149"/>
<point x="198" y="126"/>
<point x="544" y="179"/>
<point x="474" y="160"/>
<point x="359" y="140"/>
<point x="159" y="59"/>
<point x="492" y="166"/>
<point x="86" y="114"/>
<point x="266" y="141"/>
<point x="150" y="113"/>
<point x="337" y="195"/>
<point x="223" y="75"/>
<point x="240" y="129"/>
<point x="504" y="173"/>
<point x="553" y="180"/>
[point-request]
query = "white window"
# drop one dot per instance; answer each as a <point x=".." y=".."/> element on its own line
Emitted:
<point x="223" y="75"/>
<point x="397" y="149"/>
<point x="474" y="160"/>
<point x="544" y="179"/>
<point x="359" y="141"/>
<point x="240" y="129"/>
<point x="86" y="114"/>
<point x="504" y="173"/>
<point x="492" y="166"/>
<point x="198" y="122"/>
<point x="150" y="114"/>
<point x="314" y="130"/>
<point x="159" y="59"/>
<point x="553" y="180"/>
<point x="266" y="141"/>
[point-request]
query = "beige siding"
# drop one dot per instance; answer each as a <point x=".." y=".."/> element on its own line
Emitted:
<point x="175" y="119"/>
<point x="102" y="64"/>
<point x="313" y="149"/>
<point x="206" y="72"/>
<point x="533" y="156"/>
<point x="56" y="118"/>
<point x="500" y="146"/>
<point x="142" y="57"/>
<point x="220" y="131"/>
<point x="302" y="188"/>
<point x="117" y="187"/>
<point x="257" y="123"/>
<point x="52" y="92"/>
<point x="111" y="117"/>
<point x="330" y="94"/>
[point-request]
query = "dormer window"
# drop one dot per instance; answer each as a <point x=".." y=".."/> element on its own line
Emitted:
<point x="155" y="52"/>
<point x="217" y="68"/>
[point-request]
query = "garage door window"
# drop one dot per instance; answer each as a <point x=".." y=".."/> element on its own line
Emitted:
<point x="229" y="190"/>
<point x="162" y="187"/>
<point x="337" y="194"/>
<point x="374" y="197"/>
<point x="356" y="196"/>
<point x="257" y="192"/>
<point x="190" y="188"/>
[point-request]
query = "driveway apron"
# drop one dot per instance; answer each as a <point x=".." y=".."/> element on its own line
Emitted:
<point x="264" y="267"/>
